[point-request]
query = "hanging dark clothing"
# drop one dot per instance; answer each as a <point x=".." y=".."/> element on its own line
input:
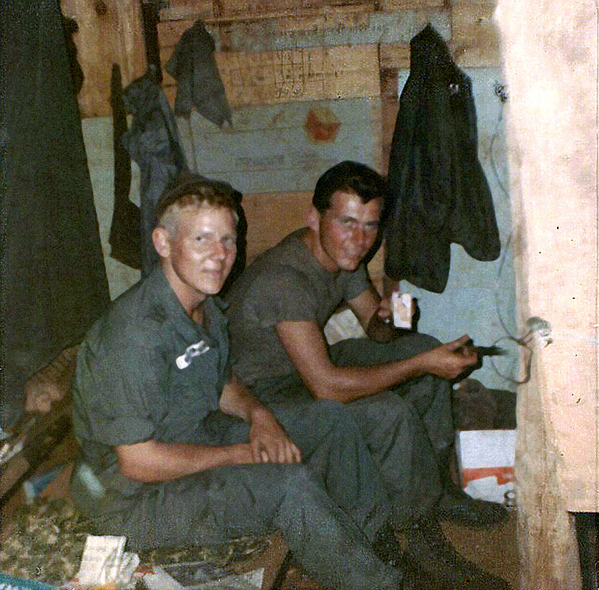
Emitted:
<point x="198" y="82"/>
<point x="53" y="279"/>
<point x="153" y="142"/>
<point x="438" y="190"/>
<point x="125" y="229"/>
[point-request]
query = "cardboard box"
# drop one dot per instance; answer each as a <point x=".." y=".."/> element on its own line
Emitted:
<point x="486" y="462"/>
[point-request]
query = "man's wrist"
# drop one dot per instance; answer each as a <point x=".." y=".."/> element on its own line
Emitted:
<point x="258" y="413"/>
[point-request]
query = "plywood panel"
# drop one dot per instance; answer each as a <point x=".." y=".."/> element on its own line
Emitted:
<point x="110" y="32"/>
<point x="275" y="148"/>
<point x="393" y="5"/>
<point x="342" y="25"/>
<point x="169" y="32"/>
<point x="188" y="9"/>
<point x="371" y="28"/>
<point x="395" y="56"/>
<point x="335" y="17"/>
<point x="475" y="38"/>
<point x="316" y="73"/>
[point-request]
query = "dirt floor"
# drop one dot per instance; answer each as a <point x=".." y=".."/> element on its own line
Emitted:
<point x="493" y="548"/>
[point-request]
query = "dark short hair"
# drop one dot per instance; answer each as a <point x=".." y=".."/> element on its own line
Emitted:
<point x="349" y="177"/>
<point x="194" y="189"/>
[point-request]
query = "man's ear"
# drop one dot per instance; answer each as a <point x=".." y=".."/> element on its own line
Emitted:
<point x="313" y="219"/>
<point x="162" y="241"/>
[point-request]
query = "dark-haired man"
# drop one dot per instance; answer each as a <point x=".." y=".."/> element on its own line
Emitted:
<point x="174" y="450"/>
<point x="396" y="388"/>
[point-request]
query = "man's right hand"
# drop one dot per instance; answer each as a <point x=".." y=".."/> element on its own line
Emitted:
<point x="269" y="442"/>
<point x="450" y="360"/>
<point x="246" y="453"/>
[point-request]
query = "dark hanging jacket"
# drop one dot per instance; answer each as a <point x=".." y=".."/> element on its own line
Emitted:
<point x="153" y="141"/>
<point x="199" y="84"/>
<point x="438" y="190"/>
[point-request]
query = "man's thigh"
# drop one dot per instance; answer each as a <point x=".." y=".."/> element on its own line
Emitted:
<point x="430" y="396"/>
<point x="204" y="509"/>
<point x="365" y="352"/>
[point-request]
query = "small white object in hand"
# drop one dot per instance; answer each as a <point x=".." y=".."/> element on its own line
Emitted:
<point x="401" y="305"/>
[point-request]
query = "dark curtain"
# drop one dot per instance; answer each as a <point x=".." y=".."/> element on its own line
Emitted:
<point x="53" y="280"/>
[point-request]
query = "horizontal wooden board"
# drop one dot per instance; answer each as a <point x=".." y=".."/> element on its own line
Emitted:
<point x="318" y="73"/>
<point x="188" y="9"/>
<point x="243" y="8"/>
<point x="353" y="25"/>
<point x="334" y="17"/>
<point x="276" y="148"/>
<point x="394" y="56"/>
<point x="392" y="5"/>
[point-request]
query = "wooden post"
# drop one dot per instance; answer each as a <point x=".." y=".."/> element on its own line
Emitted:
<point x="550" y="56"/>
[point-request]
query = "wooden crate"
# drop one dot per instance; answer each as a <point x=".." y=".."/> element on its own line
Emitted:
<point x="290" y="210"/>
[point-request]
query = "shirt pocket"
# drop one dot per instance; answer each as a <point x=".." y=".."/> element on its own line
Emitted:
<point x="192" y="394"/>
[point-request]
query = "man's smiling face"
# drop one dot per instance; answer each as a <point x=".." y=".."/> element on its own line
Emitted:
<point x="346" y="230"/>
<point x="199" y="251"/>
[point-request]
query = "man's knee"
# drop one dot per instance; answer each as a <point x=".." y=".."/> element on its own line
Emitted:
<point x="338" y="417"/>
<point x="301" y="485"/>
<point x="413" y="344"/>
<point x="330" y="408"/>
<point x="426" y="340"/>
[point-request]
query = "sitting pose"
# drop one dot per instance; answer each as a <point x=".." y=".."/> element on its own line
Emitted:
<point x="396" y="384"/>
<point x="175" y="451"/>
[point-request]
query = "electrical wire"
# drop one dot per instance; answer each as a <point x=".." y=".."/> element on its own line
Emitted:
<point x="523" y="341"/>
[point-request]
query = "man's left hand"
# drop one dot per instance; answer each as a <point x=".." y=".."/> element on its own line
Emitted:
<point x="384" y="310"/>
<point x="269" y="442"/>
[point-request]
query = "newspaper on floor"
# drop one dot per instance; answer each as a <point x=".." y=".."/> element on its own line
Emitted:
<point x="200" y="575"/>
<point x="104" y="561"/>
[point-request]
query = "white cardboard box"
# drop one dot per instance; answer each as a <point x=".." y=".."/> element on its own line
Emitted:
<point x="486" y="462"/>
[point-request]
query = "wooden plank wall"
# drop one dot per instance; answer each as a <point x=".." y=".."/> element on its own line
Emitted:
<point x="284" y="51"/>
<point x="110" y="32"/>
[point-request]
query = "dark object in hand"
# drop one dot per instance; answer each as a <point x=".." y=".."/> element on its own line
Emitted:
<point x="482" y="350"/>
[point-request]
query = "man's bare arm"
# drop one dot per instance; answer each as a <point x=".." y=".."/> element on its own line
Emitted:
<point x="305" y="345"/>
<point x="374" y="315"/>
<point x="154" y="461"/>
